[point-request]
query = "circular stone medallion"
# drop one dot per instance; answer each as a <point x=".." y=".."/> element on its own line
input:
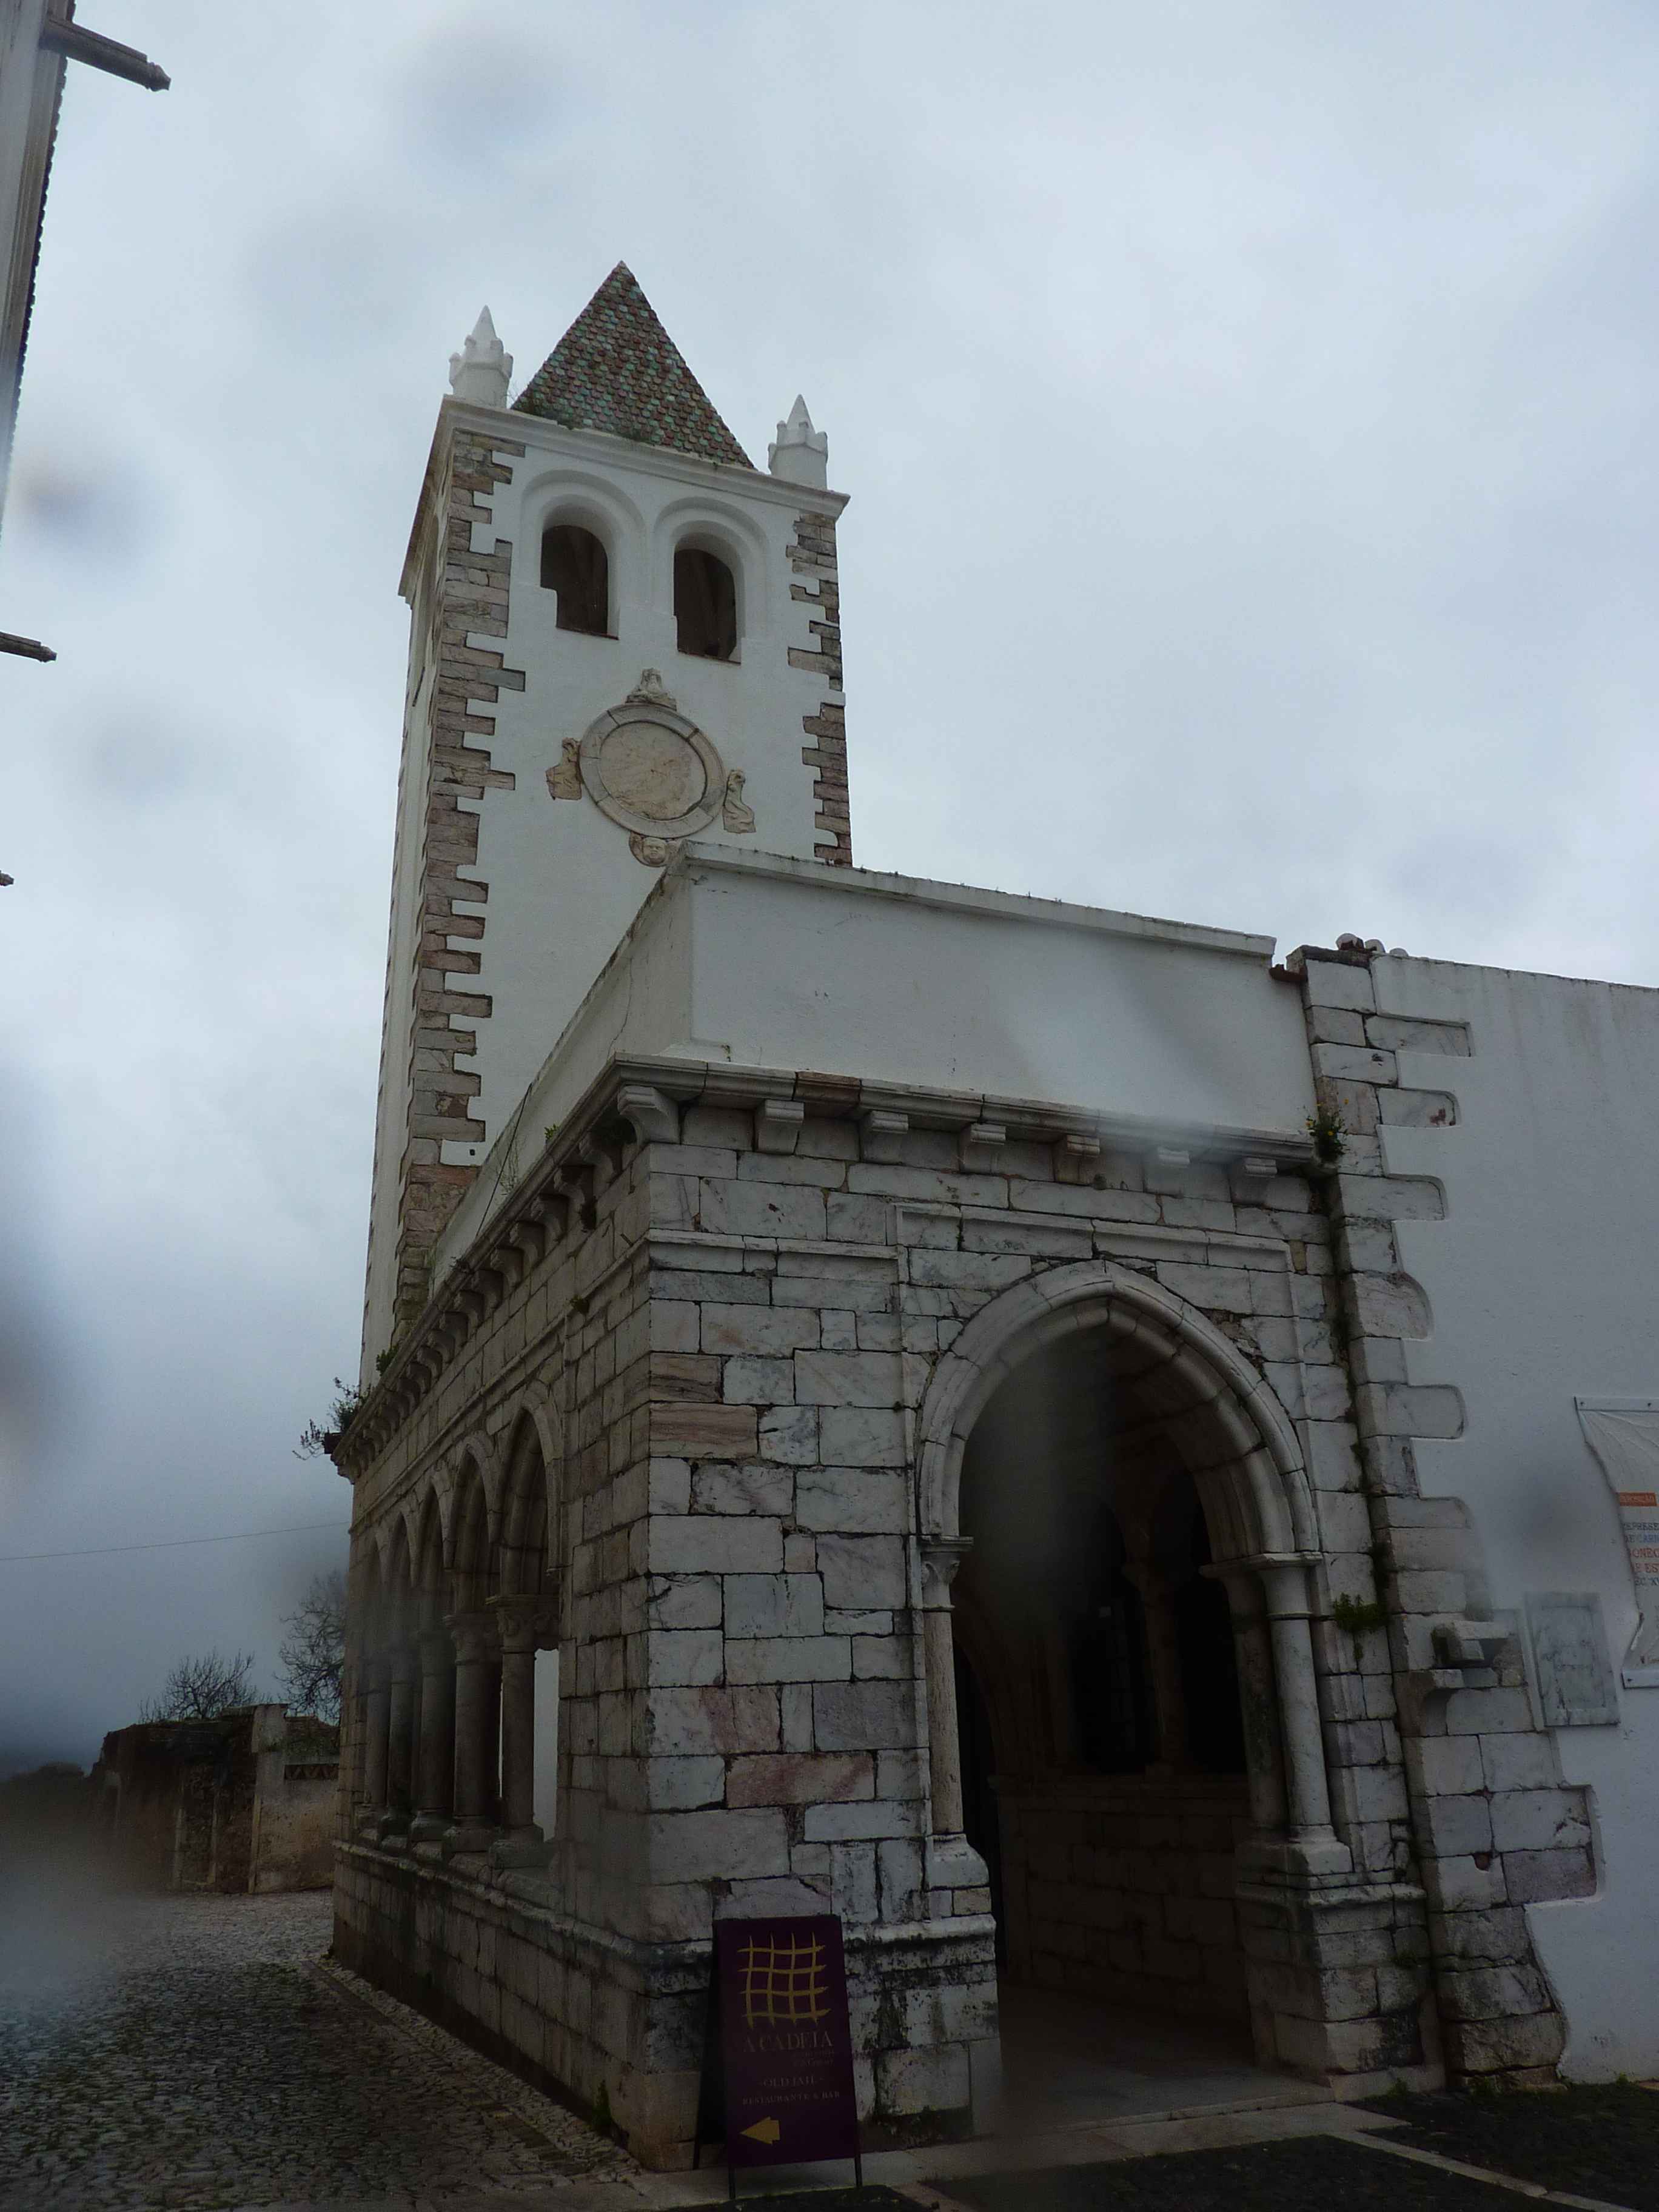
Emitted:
<point x="652" y="770"/>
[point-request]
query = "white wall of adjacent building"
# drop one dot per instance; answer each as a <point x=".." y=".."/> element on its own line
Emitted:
<point x="1543" y="1281"/>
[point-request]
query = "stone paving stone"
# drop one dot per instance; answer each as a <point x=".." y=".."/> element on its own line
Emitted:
<point x="189" y="2052"/>
<point x="1589" y="2140"/>
<point x="1311" y="2173"/>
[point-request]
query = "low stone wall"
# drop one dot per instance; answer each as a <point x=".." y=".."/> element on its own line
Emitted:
<point x="574" y="2009"/>
<point x="294" y="1828"/>
<point x="1121" y="1886"/>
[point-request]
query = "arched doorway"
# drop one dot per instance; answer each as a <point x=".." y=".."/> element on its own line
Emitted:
<point x="1122" y="1505"/>
<point x="1104" y="1690"/>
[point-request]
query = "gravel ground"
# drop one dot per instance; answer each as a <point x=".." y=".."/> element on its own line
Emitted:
<point x="190" y="2052"/>
<point x="1584" y="2142"/>
<point x="1309" y="2173"/>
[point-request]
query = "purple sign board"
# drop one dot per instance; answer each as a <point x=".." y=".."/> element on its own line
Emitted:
<point x="786" y="2041"/>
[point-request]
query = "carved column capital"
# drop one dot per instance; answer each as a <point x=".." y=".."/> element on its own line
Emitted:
<point x="526" y="1624"/>
<point x="476" y="1634"/>
<point x="940" y="1557"/>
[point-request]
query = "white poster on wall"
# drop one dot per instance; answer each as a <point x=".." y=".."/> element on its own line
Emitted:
<point x="1623" y="1434"/>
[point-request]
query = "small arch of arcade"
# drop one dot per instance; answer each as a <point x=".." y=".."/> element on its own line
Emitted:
<point x="1118" y="1544"/>
<point x="455" y="1693"/>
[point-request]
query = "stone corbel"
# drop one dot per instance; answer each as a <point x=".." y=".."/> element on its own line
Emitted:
<point x="1076" y="1157"/>
<point x="508" y="1258"/>
<point x="1449" y="1653"/>
<point x="1251" y="1178"/>
<point x="551" y="1213"/>
<point x="778" y="1124"/>
<point x="653" y="1119"/>
<point x="982" y="1146"/>
<point x="528" y="1239"/>
<point x="577" y="1178"/>
<point x="881" y="1136"/>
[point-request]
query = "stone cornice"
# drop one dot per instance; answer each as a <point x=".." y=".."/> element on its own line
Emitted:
<point x="639" y="1100"/>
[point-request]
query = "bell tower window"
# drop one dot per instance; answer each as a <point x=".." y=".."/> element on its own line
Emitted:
<point x="574" y="564"/>
<point x="705" y="604"/>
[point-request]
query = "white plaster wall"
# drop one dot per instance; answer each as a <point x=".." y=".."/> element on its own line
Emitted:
<point x="564" y="884"/>
<point x="899" y="980"/>
<point x="1544" y="1284"/>
<point x="760" y="961"/>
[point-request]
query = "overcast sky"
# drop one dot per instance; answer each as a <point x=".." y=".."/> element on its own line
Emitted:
<point x="1248" y="417"/>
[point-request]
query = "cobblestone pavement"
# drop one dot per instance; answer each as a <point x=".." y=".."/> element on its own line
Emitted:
<point x="192" y="2052"/>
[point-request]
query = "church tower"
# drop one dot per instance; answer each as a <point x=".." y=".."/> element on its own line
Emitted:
<point x="623" y="635"/>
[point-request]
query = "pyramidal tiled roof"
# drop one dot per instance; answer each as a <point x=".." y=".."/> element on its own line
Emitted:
<point x="617" y="370"/>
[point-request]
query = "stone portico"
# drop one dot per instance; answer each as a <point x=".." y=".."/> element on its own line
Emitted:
<point x="691" y="1406"/>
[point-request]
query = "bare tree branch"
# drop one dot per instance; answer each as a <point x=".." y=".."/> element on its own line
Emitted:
<point x="204" y="1685"/>
<point x="313" y="1653"/>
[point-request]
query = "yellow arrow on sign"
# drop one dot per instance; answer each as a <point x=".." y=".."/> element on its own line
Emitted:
<point x="766" y="2131"/>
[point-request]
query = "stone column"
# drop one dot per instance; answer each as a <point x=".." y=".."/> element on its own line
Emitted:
<point x="1264" y="1760"/>
<point x="940" y="1557"/>
<point x="476" y="1722"/>
<point x="1163" y="1658"/>
<point x="377" y="1715"/>
<point x="1313" y="1843"/>
<point x="400" y="1744"/>
<point x="435" y="1784"/>
<point x="525" y="1625"/>
<point x="952" y="1863"/>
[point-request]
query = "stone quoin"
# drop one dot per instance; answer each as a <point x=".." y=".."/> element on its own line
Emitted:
<point x="1039" y="1432"/>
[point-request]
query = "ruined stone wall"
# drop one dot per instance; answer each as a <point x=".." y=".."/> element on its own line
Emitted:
<point x="294" y="1810"/>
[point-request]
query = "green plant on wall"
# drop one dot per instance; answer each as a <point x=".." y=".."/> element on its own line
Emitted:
<point x="342" y="1412"/>
<point x="1328" y="1131"/>
<point x="1357" y="1614"/>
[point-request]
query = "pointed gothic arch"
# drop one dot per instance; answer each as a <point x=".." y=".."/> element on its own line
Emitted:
<point x="522" y="1549"/>
<point x="1181" y="1395"/>
<point x="471" y="1540"/>
<point x="1238" y="1442"/>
